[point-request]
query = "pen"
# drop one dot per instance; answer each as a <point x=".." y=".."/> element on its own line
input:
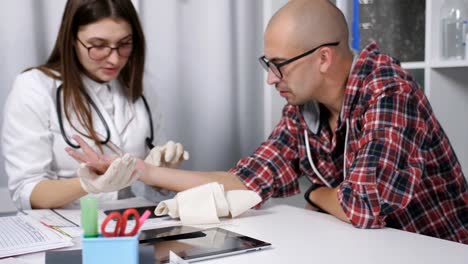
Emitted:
<point x="144" y="216"/>
<point x="56" y="229"/>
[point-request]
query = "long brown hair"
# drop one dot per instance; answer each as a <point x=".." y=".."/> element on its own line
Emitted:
<point x="64" y="60"/>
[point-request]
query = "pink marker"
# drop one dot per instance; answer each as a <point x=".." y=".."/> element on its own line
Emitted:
<point x="144" y="216"/>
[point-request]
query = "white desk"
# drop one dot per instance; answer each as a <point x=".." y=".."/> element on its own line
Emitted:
<point x="303" y="236"/>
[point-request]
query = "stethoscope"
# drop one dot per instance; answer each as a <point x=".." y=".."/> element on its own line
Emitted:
<point x="311" y="162"/>
<point x="148" y="140"/>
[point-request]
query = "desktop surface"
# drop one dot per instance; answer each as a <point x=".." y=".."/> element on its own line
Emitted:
<point x="304" y="236"/>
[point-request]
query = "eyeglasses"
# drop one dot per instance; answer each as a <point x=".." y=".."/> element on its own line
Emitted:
<point x="275" y="67"/>
<point x="102" y="52"/>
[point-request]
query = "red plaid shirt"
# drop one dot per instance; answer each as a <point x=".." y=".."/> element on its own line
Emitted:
<point x="401" y="170"/>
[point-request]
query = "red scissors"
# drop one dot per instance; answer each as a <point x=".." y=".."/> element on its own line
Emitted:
<point x="121" y="223"/>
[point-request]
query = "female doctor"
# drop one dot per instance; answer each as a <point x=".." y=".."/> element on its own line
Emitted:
<point x="91" y="85"/>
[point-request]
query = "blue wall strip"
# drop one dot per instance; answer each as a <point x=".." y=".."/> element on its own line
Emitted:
<point x="355" y="27"/>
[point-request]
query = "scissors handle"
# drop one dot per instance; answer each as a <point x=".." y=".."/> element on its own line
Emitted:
<point x="117" y="228"/>
<point x="125" y="217"/>
<point x="121" y="223"/>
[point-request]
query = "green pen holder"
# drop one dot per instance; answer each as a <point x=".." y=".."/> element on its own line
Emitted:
<point x="98" y="250"/>
<point x="89" y="216"/>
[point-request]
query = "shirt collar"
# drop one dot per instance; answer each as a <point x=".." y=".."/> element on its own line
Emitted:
<point x="360" y="69"/>
<point x="311" y="113"/>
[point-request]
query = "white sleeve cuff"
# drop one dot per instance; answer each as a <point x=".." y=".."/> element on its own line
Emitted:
<point x="22" y="197"/>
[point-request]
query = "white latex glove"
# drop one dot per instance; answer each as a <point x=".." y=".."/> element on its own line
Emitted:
<point x="204" y="204"/>
<point x="169" y="155"/>
<point x="120" y="174"/>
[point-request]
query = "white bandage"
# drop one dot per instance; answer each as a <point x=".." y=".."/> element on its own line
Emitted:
<point x="171" y="153"/>
<point x="206" y="203"/>
<point x="120" y="174"/>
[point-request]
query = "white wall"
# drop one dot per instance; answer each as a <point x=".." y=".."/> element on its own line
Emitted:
<point x="273" y="102"/>
<point x="17" y="33"/>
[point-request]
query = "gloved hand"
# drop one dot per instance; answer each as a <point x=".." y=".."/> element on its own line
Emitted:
<point x="120" y="174"/>
<point x="170" y="155"/>
<point x="204" y="204"/>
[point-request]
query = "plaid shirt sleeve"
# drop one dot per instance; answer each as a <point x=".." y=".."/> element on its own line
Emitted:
<point x="388" y="162"/>
<point x="272" y="170"/>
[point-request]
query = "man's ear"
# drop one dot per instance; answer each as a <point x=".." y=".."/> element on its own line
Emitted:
<point x="326" y="57"/>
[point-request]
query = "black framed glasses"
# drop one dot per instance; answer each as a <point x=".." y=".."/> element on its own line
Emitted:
<point x="101" y="52"/>
<point x="275" y="67"/>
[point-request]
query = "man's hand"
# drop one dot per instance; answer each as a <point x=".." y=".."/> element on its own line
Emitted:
<point x="327" y="199"/>
<point x="170" y="155"/>
<point x="98" y="162"/>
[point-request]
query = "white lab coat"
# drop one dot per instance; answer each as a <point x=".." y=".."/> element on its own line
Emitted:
<point x="33" y="146"/>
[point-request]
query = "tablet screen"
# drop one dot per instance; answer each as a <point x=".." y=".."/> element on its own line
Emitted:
<point x="151" y="236"/>
<point x="209" y="243"/>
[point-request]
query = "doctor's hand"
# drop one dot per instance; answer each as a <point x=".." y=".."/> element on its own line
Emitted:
<point x="121" y="173"/>
<point x="170" y="155"/>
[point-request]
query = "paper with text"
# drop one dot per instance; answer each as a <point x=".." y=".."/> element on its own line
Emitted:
<point x="21" y="234"/>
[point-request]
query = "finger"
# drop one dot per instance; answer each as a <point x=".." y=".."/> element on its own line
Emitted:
<point x="126" y="166"/>
<point x="85" y="172"/>
<point x="179" y="151"/>
<point x="155" y="156"/>
<point x="126" y="171"/>
<point x="76" y="155"/>
<point x="186" y="155"/>
<point x="99" y="166"/>
<point x="129" y="162"/>
<point x="87" y="150"/>
<point x="114" y="171"/>
<point x="108" y="159"/>
<point x="115" y="149"/>
<point x="170" y="151"/>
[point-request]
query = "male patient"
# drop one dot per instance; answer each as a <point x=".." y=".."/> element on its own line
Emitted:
<point x="358" y="127"/>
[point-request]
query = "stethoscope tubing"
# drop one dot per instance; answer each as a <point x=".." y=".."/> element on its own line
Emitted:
<point x="148" y="140"/>
<point x="311" y="161"/>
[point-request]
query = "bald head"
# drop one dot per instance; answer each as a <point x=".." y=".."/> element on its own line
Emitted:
<point x="309" y="23"/>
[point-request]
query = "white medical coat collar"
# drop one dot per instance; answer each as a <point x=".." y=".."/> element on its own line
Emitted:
<point x="124" y="111"/>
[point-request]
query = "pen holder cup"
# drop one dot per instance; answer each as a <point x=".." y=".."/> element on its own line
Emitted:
<point x="98" y="250"/>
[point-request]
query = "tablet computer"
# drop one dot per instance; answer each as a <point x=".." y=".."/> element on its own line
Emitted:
<point x="207" y="244"/>
<point x="151" y="236"/>
<point x="192" y="246"/>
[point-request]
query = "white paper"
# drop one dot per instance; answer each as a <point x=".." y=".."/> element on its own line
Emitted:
<point x="22" y="234"/>
<point x="51" y="218"/>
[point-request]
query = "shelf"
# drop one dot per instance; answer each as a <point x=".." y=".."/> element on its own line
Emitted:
<point x="449" y="64"/>
<point x="411" y="65"/>
<point x="437" y="64"/>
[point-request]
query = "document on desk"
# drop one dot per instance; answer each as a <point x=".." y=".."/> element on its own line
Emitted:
<point x="21" y="234"/>
<point x="68" y="220"/>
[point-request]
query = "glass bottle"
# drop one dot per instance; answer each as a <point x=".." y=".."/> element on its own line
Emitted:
<point x="453" y="15"/>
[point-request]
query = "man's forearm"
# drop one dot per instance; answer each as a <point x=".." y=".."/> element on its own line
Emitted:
<point x="327" y="199"/>
<point x="179" y="180"/>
